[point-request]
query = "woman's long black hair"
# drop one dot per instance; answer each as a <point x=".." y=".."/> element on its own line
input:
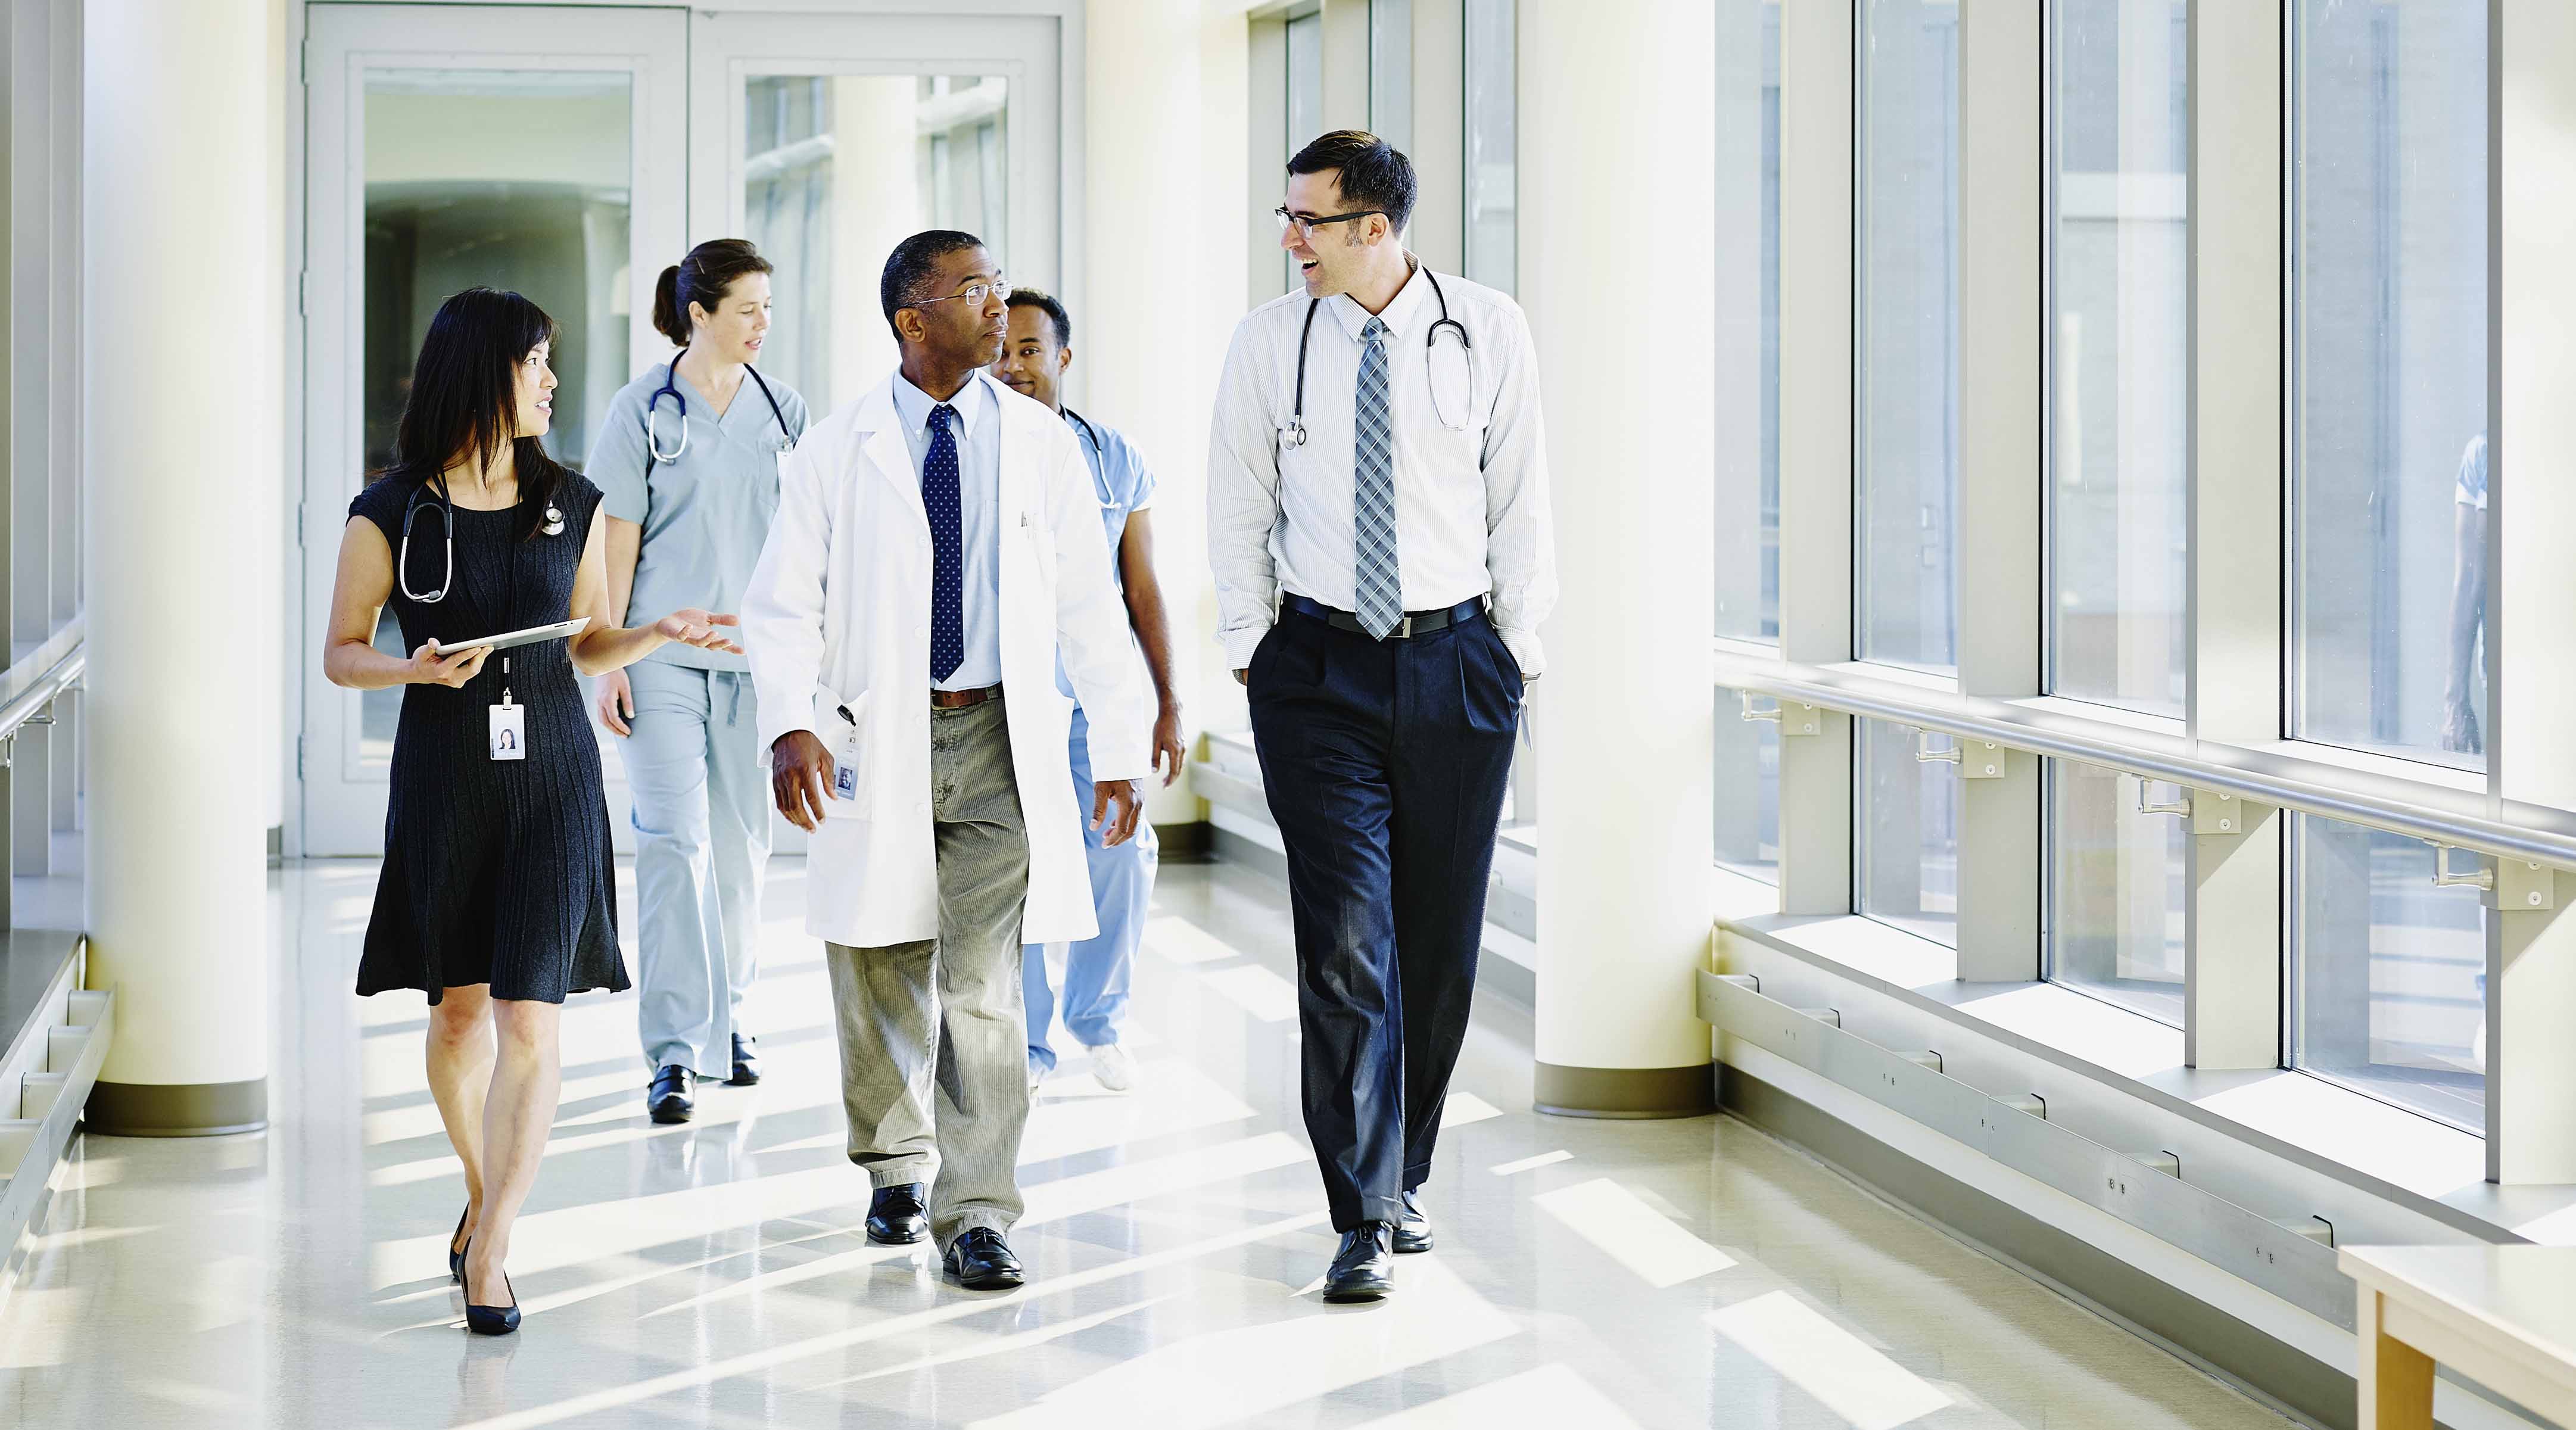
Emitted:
<point x="465" y="397"/>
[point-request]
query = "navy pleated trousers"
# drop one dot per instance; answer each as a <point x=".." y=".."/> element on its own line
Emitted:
<point x="1386" y="764"/>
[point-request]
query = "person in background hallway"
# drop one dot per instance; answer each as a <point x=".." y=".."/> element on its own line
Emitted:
<point x="937" y="546"/>
<point x="688" y="462"/>
<point x="1096" y="970"/>
<point x="2460" y="732"/>
<point x="1383" y="560"/>
<point x="497" y="897"/>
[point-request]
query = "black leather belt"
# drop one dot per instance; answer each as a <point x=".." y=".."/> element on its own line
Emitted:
<point x="1415" y="623"/>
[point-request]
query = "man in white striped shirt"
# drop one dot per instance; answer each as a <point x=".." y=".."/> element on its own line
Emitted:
<point x="1378" y="523"/>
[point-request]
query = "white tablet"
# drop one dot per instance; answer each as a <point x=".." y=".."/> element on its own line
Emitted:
<point x="530" y="636"/>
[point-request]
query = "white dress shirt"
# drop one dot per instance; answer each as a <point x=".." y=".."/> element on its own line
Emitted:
<point x="1471" y="506"/>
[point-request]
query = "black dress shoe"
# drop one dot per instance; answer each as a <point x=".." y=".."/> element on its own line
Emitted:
<point x="456" y="1258"/>
<point x="492" y="1320"/>
<point x="1414" y="1232"/>
<point x="982" y="1261"/>
<point x="746" y="1062"/>
<point x="895" y="1215"/>
<point x="1364" y="1269"/>
<point x="668" y="1098"/>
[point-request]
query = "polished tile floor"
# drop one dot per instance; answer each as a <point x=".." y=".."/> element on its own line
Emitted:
<point x="1589" y="1274"/>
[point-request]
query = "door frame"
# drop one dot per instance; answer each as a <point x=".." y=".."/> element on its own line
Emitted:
<point x="343" y="41"/>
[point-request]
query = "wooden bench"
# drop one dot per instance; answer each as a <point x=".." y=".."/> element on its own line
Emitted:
<point x="2503" y="1316"/>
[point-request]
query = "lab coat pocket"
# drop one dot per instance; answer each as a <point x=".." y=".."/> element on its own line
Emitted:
<point x="842" y="726"/>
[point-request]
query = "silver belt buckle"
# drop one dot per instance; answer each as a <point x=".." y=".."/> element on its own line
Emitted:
<point x="1403" y="629"/>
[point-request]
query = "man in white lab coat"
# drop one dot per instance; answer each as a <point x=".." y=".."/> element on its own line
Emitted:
<point x="936" y="547"/>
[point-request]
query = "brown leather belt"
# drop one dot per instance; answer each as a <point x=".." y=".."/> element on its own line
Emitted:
<point x="960" y="699"/>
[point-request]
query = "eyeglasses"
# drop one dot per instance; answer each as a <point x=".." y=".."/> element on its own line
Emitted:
<point x="974" y="295"/>
<point x="1306" y="226"/>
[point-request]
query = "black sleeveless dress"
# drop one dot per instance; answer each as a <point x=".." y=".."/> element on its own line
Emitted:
<point x="496" y="871"/>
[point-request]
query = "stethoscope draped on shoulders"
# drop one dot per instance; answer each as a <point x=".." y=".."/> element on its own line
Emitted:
<point x="553" y="525"/>
<point x="1100" y="455"/>
<point x="1447" y="361"/>
<point x="670" y="389"/>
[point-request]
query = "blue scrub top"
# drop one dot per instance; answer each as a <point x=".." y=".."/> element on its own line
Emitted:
<point x="1120" y="482"/>
<point x="705" y="513"/>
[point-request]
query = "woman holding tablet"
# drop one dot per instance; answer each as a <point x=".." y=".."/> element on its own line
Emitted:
<point x="497" y="897"/>
<point x="687" y="461"/>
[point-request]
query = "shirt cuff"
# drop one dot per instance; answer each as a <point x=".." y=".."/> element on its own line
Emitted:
<point x="1240" y="644"/>
<point x="1525" y="649"/>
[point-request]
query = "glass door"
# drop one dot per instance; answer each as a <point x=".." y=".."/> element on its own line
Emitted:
<point x="532" y="149"/>
<point x="825" y="140"/>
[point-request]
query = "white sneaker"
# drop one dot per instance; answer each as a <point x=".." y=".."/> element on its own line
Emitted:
<point x="1037" y="1074"/>
<point x="1113" y="1067"/>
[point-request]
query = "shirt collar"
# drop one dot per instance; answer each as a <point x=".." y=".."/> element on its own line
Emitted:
<point x="913" y="405"/>
<point x="1400" y="315"/>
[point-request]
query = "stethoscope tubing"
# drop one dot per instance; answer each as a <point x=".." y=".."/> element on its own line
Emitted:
<point x="670" y="388"/>
<point x="1294" y="434"/>
<point x="552" y="526"/>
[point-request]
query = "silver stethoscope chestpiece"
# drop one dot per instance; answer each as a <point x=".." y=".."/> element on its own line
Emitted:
<point x="554" y="523"/>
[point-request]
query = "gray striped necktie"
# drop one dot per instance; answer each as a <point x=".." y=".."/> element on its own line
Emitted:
<point x="1380" y="591"/>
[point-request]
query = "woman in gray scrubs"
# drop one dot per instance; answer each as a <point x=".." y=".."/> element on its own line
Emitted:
<point x="688" y="460"/>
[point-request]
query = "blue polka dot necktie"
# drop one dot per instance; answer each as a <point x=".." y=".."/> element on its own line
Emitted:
<point x="1380" y="603"/>
<point x="939" y="496"/>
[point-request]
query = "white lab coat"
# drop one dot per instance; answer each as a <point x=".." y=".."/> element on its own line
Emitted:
<point x="838" y="613"/>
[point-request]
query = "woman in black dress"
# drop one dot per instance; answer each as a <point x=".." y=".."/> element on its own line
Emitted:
<point x="498" y="897"/>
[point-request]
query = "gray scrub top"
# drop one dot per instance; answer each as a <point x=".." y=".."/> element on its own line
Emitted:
<point x="705" y="513"/>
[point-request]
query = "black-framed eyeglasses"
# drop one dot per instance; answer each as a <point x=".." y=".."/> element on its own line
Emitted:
<point x="975" y="293"/>
<point x="1306" y="226"/>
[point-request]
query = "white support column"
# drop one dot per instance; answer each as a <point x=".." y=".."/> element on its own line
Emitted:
<point x="2531" y="631"/>
<point x="2001" y="586"/>
<point x="1623" y="881"/>
<point x="2232" y="963"/>
<point x="1156" y="382"/>
<point x="1816" y="236"/>
<point x="176" y="109"/>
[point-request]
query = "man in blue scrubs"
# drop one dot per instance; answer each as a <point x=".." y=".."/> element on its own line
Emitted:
<point x="1033" y="362"/>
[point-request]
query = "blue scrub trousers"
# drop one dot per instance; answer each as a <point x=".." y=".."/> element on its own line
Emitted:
<point x="701" y="815"/>
<point x="1095" y="970"/>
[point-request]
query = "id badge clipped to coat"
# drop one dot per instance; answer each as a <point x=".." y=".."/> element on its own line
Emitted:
<point x="509" y="734"/>
<point x="845" y="759"/>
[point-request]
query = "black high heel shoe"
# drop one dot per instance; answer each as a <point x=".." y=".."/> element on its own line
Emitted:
<point x="456" y="1258"/>
<point x="493" y="1320"/>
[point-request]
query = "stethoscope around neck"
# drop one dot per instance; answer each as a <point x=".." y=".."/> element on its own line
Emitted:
<point x="553" y="525"/>
<point x="670" y="389"/>
<point x="1294" y="434"/>
<point x="1099" y="478"/>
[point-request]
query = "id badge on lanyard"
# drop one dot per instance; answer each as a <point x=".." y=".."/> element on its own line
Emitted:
<point x="509" y="724"/>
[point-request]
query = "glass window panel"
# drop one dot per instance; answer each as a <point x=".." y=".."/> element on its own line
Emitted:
<point x="455" y="197"/>
<point x="1391" y="72"/>
<point x="2115" y="892"/>
<point x="2389" y="389"/>
<point x="837" y="169"/>
<point x="1748" y="792"/>
<point x="2116" y="508"/>
<point x="1305" y="104"/>
<point x="1748" y="279"/>
<point x="1908" y="817"/>
<point x="1909" y="331"/>
<point x="2389" y="981"/>
<point x="1493" y="256"/>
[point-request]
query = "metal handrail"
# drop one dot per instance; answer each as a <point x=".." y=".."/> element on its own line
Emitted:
<point x="35" y="683"/>
<point x="2420" y="809"/>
